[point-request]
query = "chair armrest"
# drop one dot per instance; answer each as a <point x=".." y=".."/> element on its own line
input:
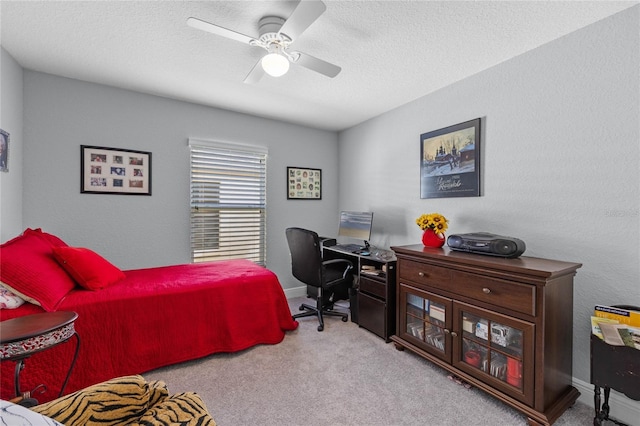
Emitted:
<point x="348" y="265"/>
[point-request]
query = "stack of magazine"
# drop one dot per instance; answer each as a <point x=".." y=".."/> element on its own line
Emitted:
<point x="617" y="326"/>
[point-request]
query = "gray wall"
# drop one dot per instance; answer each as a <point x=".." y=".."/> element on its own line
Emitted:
<point x="560" y="162"/>
<point x="11" y="121"/>
<point x="140" y="231"/>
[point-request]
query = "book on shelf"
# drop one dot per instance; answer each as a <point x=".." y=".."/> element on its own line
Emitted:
<point x="418" y="302"/>
<point x="416" y="329"/>
<point x="434" y="337"/>
<point x="437" y="312"/>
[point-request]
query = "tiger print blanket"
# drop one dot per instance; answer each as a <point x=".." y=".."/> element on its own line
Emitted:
<point x="128" y="400"/>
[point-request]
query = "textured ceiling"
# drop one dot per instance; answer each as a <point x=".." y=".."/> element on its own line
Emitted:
<point x="391" y="52"/>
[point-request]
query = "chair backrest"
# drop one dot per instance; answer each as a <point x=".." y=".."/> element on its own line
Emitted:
<point x="306" y="258"/>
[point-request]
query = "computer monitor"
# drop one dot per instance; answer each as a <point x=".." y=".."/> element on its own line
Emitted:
<point x="356" y="225"/>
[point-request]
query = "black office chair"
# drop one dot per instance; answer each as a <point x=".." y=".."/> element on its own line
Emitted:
<point x="327" y="276"/>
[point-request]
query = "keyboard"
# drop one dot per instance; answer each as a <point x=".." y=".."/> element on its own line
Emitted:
<point x="351" y="248"/>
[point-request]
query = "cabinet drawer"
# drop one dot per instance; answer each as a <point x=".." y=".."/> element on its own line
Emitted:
<point x="515" y="296"/>
<point x="423" y="273"/>
<point x="511" y="295"/>
<point x="373" y="287"/>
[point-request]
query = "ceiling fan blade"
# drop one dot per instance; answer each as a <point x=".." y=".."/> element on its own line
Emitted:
<point x="218" y="30"/>
<point x="255" y="74"/>
<point x="317" y="65"/>
<point x="302" y="17"/>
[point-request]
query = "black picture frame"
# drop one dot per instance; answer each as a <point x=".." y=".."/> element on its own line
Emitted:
<point x="106" y="170"/>
<point x="450" y="161"/>
<point x="4" y="151"/>
<point x="304" y="183"/>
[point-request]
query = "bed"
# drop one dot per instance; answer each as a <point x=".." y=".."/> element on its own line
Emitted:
<point x="145" y="319"/>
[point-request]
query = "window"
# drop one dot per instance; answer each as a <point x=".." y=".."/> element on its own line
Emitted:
<point x="228" y="202"/>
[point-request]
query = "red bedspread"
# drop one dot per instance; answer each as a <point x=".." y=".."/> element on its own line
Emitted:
<point x="158" y="317"/>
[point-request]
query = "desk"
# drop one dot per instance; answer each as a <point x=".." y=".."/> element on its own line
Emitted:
<point x="375" y="290"/>
<point x="24" y="336"/>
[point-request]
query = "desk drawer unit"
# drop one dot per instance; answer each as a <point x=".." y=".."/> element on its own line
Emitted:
<point x="373" y="287"/>
<point x="376" y="304"/>
<point x="372" y="305"/>
<point x="373" y="299"/>
<point x="372" y="314"/>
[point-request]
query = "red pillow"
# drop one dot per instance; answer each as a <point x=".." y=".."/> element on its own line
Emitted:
<point x="87" y="267"/>
<point x="55" y="241"/>
<point x="27" y="268"/>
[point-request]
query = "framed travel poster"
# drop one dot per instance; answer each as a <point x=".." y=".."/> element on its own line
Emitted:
<point x="450" y="161"/>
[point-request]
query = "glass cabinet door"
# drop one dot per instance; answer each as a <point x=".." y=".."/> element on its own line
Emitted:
<point x="425" y="320"/>
<point x="495" y="348"/>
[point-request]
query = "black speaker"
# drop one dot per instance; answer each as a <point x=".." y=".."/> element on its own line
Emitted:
<point x="486" y="243"/>
<point x="455" y="241"/>
<point x="504" y="247"/>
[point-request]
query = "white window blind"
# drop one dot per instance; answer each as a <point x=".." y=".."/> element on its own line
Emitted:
<point x="228" y="202"/>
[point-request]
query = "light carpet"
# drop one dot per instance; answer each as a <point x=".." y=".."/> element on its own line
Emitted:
<point x="344" y="375"/>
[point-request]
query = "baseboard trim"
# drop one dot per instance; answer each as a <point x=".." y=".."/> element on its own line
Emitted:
<point x="290" y="293"/>
<point x="620" y="407"/>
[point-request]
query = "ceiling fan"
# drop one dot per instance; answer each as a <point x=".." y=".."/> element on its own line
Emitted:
<point x="276" y="35"/>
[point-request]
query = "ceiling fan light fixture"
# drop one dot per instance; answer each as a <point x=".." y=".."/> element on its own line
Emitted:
<point x="275" y="64"/>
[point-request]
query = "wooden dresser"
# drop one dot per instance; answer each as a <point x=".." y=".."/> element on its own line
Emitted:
<point x="503" y="325"/>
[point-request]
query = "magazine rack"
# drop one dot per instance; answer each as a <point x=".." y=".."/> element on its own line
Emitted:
<point x="613" y="367"/>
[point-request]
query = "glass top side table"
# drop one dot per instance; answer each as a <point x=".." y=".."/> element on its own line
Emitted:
<point x="24" y="336"/>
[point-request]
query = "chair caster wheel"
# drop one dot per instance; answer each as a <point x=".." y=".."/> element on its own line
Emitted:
<point x="301" y="308"/>
<point x="320" y="327"/>
<point x="344" y="319"/>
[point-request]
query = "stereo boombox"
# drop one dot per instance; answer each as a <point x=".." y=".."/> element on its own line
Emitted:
<point x="486" y="243"/>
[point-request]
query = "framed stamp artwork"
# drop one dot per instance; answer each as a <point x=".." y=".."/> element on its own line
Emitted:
<point x="4" y="151"/>
<point x="304" y="184"/>
<point x="114" y="171"/>
<point x="450" y="161"/>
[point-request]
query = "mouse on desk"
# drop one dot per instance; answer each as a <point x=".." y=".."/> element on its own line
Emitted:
<point x="363" y="252"/>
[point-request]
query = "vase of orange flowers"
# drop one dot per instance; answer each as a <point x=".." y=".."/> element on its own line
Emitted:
<point x="434" y="225"/>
